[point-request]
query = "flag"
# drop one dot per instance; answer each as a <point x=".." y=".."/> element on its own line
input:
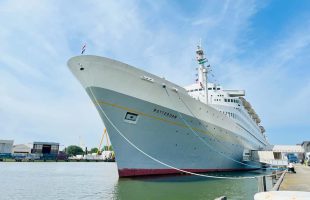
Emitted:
<point x="201" y="85"/>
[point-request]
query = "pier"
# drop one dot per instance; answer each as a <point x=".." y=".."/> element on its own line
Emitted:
<point x="297" y="182"/>
<point x="290" y="186"/>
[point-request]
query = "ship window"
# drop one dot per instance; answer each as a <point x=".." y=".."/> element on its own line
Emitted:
<point x="200" y="89"/>
<point x="209" y="88"/>
<point x="225" y="100"/>
<point x="218" y="88"/>
<point x="196" y="89"/>
<point x="214" y="88"/>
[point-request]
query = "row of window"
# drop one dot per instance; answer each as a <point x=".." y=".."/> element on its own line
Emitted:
<point x="229" y="114"/>
<point x="213" y="88"/>
<point x="232" y="100"/>
<point x="195" y="90"/>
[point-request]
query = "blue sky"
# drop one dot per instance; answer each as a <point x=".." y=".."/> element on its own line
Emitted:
<point x="260" y="46"/>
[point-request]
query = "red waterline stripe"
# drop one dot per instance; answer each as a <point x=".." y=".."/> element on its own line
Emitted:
<point x="146" y="172"/>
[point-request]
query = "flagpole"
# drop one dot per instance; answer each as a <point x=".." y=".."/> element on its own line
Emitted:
<point x="83" y="49"/>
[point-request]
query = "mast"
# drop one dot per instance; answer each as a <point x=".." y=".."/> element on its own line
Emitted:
<point x="202" y="71"/>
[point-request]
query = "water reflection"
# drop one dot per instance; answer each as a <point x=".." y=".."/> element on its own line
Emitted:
<point x="188" y="187"/>
<point x="100" y="181"/>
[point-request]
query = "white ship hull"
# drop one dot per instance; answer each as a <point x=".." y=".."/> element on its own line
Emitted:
<point x="168" y="125"/>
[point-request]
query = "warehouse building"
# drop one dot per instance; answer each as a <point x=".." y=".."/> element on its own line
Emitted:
<point x="6" y="146"/>
<point x="45" y="148"/>
<point x="22" y="149"/>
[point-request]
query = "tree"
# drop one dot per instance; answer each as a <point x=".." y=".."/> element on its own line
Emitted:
<point x="94" y="150"/>
<point x="74" y="150"/>
<point x="107" y="148"/>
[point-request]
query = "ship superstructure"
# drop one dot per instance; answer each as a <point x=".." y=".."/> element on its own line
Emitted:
<point x="229" y="102"/>
<point x="158" y="127"/>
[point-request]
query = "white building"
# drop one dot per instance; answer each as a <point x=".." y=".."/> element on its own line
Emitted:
<point x="306" y="146"/>
<point x="6" y="146"/>
<point x="22" y="149"/>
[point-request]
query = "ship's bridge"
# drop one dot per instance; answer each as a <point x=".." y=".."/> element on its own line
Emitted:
<point x="216" y="94"/>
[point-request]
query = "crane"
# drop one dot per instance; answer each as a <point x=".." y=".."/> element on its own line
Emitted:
<point x="107" y="140"/>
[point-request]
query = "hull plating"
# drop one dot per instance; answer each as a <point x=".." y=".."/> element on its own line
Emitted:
<point x="168" y="136"/>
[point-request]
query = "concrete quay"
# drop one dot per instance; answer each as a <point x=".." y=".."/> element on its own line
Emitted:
<point x="293" y="186"/>
<point x="297" y="182"/>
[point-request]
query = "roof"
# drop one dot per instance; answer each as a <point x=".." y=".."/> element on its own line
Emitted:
<point x="46" y="143"/>
<point x="7" y="141"/>
<point x="288" y="148"/>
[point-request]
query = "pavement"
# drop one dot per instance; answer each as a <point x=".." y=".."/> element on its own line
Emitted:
<point x="297" y="182"/>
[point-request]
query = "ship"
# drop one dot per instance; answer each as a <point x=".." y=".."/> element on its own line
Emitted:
<point x="157" y="127"/>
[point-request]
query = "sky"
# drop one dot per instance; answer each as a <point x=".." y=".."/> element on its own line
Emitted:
<point x="260" y="46"/>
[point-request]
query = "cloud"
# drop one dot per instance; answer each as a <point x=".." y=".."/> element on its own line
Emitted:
<point x="41" y="100"/>
<point x="277" y="83"/>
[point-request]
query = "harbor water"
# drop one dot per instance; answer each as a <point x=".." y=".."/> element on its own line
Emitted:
<point x="91" y="180"/>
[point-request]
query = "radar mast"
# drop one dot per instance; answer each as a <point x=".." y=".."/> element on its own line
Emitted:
<point x="202" y="71"/>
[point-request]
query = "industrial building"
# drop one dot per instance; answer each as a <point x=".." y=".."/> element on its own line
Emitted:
<point x="6" y="146"/>
<point x="21" y="149"/>
<point x="45" y="148"/>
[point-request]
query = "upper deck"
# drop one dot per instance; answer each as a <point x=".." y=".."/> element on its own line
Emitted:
<point x="229" y="102"/>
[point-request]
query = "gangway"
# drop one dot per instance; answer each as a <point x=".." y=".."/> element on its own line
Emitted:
<point x="267" y="157"/>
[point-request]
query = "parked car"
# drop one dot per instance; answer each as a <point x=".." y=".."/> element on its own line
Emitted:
<point x="292" y="158"/>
